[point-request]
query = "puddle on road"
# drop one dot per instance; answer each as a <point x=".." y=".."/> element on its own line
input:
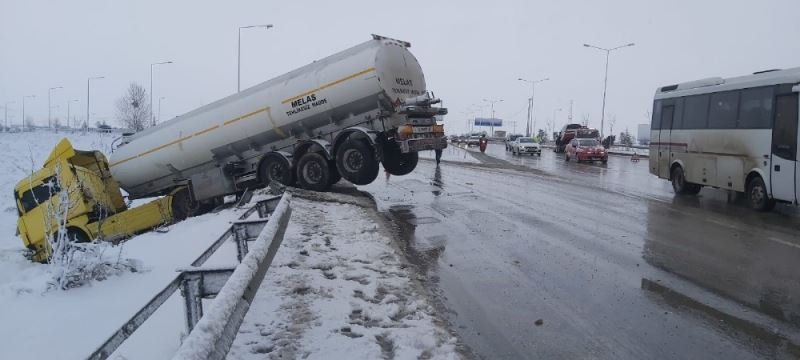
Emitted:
<point x="769" y="342"/>
<point x="421" y="251"/>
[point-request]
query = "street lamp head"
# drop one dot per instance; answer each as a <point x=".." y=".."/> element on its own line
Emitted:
<point x="587" y="45"/>
<point x="631" y="44"/>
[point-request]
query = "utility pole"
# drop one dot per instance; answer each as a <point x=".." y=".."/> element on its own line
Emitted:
<point x="49" y="107"/>
<point x="68" y="104"/>
<point x="491" y="121"/>
<point x="6" y="115"/>
<point x="531" y="125"/>
<point x="23" y="109"/>
<point x="239" y="54"/>
<point x="605" y="81"/>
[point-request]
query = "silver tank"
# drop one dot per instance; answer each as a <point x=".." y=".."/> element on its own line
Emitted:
<point x="353" y="81"/>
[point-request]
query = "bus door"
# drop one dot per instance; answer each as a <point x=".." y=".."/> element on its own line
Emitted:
<point x="784" y="148"/>
<point x="667" y="115"/>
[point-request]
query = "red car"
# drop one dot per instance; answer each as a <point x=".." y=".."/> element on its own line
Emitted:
<point x="586" y="150"/>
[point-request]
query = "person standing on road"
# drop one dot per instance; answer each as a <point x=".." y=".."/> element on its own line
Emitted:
<point x="438" y="156"/>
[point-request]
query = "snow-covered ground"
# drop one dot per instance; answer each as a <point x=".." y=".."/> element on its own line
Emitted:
<point x="451" y="153"/>
<point x="339" y="289"/>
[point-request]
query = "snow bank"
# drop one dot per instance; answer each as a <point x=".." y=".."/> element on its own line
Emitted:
<point x="338" y="289"/>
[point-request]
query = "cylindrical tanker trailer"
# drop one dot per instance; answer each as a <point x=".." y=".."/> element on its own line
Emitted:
<point x="337" y="117"/>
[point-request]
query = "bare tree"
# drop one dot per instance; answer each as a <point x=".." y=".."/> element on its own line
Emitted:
<point x="133" y="109"/>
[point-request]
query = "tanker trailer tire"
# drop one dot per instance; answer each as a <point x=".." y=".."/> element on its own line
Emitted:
<point x="275" y="167"/>
<point x="396" y="163"/>
<point x="355" y="160"/>
<point x="313" y="172"/>
<point x="183" y="205"/>
<point x="334" y="173"/>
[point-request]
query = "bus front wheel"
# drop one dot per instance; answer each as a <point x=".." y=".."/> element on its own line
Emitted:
<point x="757" y="195"/>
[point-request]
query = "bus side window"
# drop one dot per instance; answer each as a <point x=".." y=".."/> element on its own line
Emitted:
<point x="695" y="112"/>
<point x="755" y="108"/>
<point x="724" y="110"/>
<point x="656" y="122"/>
<point x="784" y="135"/>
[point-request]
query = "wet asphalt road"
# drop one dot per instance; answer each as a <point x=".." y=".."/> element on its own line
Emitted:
<point x="613" y="264"/>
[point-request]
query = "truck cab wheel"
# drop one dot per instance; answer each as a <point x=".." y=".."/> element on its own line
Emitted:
<point x="355" y="160"/>
<point x="183" y="205"/>
<point x="313" y="172"/>
<point x="77" y="235"/>
<point x="275" y="167"/>
<point x="396" y="163"/>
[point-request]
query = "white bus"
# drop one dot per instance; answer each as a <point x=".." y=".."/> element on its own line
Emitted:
<point x="738" y="134"/>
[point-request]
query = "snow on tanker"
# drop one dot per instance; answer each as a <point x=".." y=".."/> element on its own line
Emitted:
<point x="339" y="117"/>
<point x="336" y="117"/>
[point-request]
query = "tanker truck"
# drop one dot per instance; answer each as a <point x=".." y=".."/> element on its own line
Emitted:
<point x="338" y="117"/>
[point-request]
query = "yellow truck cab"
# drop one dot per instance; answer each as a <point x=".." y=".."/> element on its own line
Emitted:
<point x="95" y="209"/>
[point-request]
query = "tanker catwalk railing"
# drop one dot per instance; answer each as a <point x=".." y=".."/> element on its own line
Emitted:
<point x="232" y="298"/>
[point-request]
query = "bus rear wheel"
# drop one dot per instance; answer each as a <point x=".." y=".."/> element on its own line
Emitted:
<point x="757" y="195"/>
<point x="680" y="185"/>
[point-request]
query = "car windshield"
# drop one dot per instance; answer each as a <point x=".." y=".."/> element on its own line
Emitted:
<point x="588" y="142"/>
<point x="526" y="140"/>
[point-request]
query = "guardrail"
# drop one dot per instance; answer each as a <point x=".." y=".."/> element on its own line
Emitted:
<point x="233" y="287"/>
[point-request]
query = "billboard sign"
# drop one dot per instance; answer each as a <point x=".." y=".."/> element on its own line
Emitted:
<point x="488" y="122"/>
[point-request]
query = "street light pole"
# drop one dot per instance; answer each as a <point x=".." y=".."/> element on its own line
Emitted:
<point x="6" y="115"/>
<point x="49" y="113"/>
<point x="491" y="121"/>
<point x="153" y="119"/>
<point x="531" y="125"/>
<point x="88" y="97"/>
<point x="68" y="104"/>
<point x="605" y="81"/>
<point x="239" y="54"/>
<point x="23" y="109"/>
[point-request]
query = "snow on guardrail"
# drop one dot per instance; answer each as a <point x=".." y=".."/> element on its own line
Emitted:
<point x="211" y="338"/>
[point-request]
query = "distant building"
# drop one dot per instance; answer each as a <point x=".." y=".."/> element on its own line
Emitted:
<point x="643" y="134"/>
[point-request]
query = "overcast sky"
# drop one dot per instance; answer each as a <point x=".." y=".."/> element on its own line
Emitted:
<point x="469" y="50"/>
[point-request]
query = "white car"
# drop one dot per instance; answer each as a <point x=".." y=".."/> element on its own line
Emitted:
<point x="525" y="145"/>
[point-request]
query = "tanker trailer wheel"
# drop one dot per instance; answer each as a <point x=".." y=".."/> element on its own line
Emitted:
<point x="355" y="160"/>
<point x="275" y="167"/>
<point x="183" y="205"/>
<point x="313" y="172"/>
<point x="397" y="163"/>
<point x="334" y="173"/>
